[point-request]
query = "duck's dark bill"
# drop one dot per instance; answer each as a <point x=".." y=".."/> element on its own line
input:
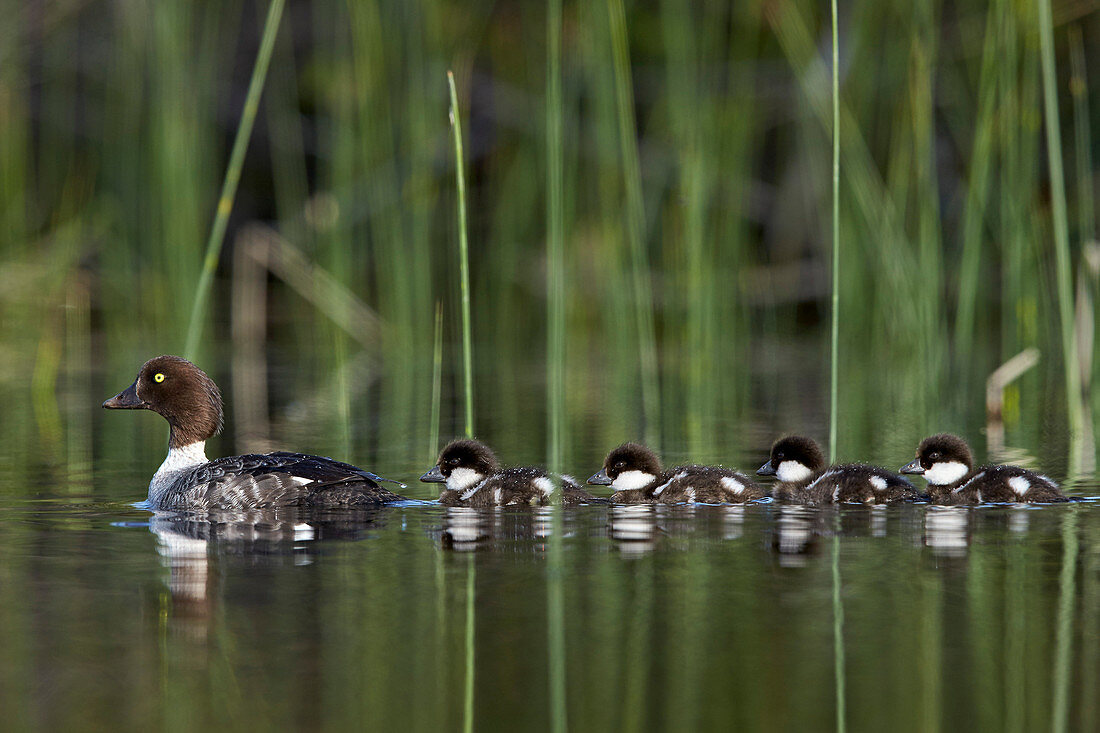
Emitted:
<point x="913" y="467"/>
<point x="766" y="469"/>
<point x="126" y="400"/>
<point x="435" y="476"/>
<point x="600" y="479"/>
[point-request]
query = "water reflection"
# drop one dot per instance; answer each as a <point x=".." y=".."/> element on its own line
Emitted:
<point x="188" y="545"/>
<point x="797" y="533"/>
<point x="1018" y="519"/>
<point x="466" y="529"/>
<point x="946" y="530"/>
<point x="634" y="528"/>
<point x="733" y="521"/>
<point x="502" y="528"/>
<point x="662" y="606"/>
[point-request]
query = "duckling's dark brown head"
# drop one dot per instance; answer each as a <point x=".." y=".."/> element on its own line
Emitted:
<point x="461" y="464"/>
<point x="793" y="458"/>
<point x="942" y="459"/>
<point x="630" y="466"/>
<point x="178" y="391"/>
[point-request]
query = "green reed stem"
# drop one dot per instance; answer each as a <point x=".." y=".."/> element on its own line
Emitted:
<point x="635" y="222"/>
<point x="835" y="328"/>
<point x="1061" y="238"/>
<point x="232" y="178"/>
<point x="555" y="363"/>
<point x="838" y="635"/>
<point x="468" y="691"/>
<point x="1079" y="90"/>
<point x="437" y="383"/>
<point x="555" y="241"/>
<point x="1086" y="235"/>
<point x="977" y="190"/>
<point x="1067" y="603"/>
<point x="464" y="259"/>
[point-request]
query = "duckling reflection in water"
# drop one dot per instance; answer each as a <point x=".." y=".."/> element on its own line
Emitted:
<point x="518" y="531"/>
<point x="634" y="528"/>
<point x="635" y="473"/>
<point x="947" y="530"/>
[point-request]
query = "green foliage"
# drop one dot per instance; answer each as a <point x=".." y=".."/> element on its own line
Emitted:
<point x="678" y="249"/>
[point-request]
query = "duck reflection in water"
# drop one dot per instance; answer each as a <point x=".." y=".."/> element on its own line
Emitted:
<point x="194" y="546"/>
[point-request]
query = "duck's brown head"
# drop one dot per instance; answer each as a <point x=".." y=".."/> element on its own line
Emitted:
<point x="179" y="392"/>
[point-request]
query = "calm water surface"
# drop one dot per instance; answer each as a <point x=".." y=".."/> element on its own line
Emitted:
<point x="675" y="618"/>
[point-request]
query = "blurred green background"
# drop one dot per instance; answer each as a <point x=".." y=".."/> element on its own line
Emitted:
<point x="695" y="210"/>
<point x="694" y="297"/>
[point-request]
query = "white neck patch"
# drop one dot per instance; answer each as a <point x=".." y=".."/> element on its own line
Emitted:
<point x="463" y="478"/>
<point x="630" y="480"/>
<point x="791" y="472"/>
<point x="179" y="459"/>
<point x="945" y="473"/>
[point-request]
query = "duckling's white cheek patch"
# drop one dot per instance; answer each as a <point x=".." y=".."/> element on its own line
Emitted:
<point x="1019" y="484"/>
<point x="463" y="478"/>
<point x="945" y="473"/>
<point x="732" y="484"/>
<point x="792" y="472"/>
<point x="629" y="480"/>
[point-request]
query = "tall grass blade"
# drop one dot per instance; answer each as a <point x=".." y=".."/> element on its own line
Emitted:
<point x="977" y="192"/>
<point x="1082" y="139"/>
<point x="437" y="382"/>
<point x="232" y="178"/>
<point x="464" y="258"/>
<point x="834" y="331"/>
<point x="838" y="635"/>
<point x="1067" y="604"/>
<point x="468" y="690"/>
<point x="555" y="242"/>
<point x="1061" y="241"/>
<point x="555" y="366"/>
<point x="1088" y="268"/>
<point x="635" y="223"/>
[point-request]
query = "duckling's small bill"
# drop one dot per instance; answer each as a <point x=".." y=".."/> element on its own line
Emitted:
<point x="601" y="478"/>
<point x="435" y="476"/>
<point x="913" y="467"/>
<point x="766" y="470"/>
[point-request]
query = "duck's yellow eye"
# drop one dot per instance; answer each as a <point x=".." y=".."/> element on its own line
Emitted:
<point x="158" y="377"/>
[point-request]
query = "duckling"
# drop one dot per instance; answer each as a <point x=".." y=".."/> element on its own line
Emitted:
<point x="634" y="471"/>
<point x="473" y="478"/>
<point x="799" y="465"/>
<point x="947" y="465"/>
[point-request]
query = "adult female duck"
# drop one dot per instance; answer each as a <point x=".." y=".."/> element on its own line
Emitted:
<point x="182" y="394"/>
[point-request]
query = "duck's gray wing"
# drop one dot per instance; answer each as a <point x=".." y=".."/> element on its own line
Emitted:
<point x="274" y="480"/>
